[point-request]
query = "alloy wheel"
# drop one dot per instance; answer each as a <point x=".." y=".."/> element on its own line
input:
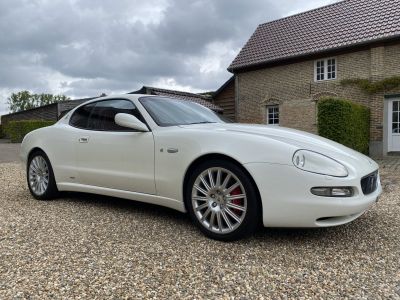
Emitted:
<point x="38" y="175"/>
<point x="219" y="200"/>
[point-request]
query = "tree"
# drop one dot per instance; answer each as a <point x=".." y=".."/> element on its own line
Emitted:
<point x="25" y="100"/>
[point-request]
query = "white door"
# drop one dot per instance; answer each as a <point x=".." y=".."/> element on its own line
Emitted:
<point x="394" y="125"/>
<point x="111" y="156"/>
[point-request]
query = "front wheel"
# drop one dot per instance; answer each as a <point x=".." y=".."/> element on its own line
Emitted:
<point x="40" y="177"/>
<point x="222" y="200"/>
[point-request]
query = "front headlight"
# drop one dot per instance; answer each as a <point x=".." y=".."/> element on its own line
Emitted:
<point x="318" y="163"/>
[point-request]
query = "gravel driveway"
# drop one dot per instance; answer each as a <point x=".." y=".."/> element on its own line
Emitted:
<point x="86" y="246"/>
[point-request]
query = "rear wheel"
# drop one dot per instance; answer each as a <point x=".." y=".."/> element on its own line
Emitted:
<point x="40" y="177"/>
<point x="222" y="201"/>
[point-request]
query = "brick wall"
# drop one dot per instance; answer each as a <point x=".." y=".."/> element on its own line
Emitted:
<point x="292" y="86"/>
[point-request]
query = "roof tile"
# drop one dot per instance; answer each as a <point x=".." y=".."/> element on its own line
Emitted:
<point x="342" y="24"/>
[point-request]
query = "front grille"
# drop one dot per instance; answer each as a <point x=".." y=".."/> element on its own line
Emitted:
<point x="369" y="183"/>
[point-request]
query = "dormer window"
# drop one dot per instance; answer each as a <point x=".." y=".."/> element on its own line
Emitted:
<point x="325" y="69"/>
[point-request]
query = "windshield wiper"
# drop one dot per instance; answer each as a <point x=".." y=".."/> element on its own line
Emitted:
<point x="202" y="122"/>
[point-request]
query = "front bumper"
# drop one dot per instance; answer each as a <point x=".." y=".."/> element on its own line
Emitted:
<point x="288" y="202"/>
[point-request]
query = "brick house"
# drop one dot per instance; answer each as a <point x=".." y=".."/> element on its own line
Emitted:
<point x="289" y="64"/>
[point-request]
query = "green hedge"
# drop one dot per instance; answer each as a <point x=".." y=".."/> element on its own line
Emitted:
<point x="16" y="130"/>
<point x="1" y="132"/>
<point x="345" y="122"/>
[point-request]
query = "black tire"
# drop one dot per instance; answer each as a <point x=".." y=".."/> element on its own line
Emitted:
<point x="250" y="221"/>
<point x="51" y="192"/>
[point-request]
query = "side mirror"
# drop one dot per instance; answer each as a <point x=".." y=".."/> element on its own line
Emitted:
<point x="129" y="121"/>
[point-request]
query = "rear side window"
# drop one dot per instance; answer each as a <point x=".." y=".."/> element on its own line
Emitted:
<point x="100" y="115"/>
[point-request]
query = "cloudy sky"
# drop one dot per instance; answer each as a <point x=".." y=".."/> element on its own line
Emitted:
<point x="86" y="47"/>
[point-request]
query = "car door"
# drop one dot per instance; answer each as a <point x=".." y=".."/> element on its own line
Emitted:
<point x="109" y="155"/>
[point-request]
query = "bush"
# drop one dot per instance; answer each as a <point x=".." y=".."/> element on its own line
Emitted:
<point x="1" y="132"/>
<point x="16" y="130"/>
<point x="344" y="122"/>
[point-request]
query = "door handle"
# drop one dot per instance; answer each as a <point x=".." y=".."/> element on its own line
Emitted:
<point x="83" y="140"/>
<point x="172" y="150"/>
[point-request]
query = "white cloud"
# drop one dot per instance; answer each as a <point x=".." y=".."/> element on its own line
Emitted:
<point x="308" y="5"/>
<point x="87" y="47"/>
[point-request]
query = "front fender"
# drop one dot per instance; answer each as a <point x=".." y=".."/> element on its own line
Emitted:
<point x="171" y="168"/>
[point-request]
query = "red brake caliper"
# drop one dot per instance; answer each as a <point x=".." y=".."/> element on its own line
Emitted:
<point x="237" y="191"/>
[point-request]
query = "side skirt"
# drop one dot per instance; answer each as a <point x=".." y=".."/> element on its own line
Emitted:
<point x="147" y="198"/>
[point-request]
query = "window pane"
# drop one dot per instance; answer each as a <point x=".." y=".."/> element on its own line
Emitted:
<point x="103" y="114"/>
<point x="81" y="116"/>
<point x="396" y="128"/>
<point x="333" y="68"/>
<point x="273" y="115"/>
<point x="320" y="70"/>
<point x="395" y="117"/>
<point x="396" y="106"/>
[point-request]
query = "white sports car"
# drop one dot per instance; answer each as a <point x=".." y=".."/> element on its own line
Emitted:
<point x="228" y="177"/>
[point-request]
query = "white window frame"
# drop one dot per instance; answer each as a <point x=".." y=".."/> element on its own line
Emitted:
<point x="325" y="61"/>
<point x="274" y="117"/>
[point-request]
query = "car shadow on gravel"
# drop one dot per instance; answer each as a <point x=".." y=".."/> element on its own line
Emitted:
<point x="102" y="201"/>
<point x="364" y="226"/>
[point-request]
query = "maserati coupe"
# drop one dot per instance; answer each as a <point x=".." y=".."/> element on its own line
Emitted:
<point x="228" y="177"/>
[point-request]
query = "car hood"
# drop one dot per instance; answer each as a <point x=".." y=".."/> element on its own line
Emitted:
<point x="295" y="138"/>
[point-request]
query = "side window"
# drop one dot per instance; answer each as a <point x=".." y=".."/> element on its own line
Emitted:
<point x="325" y="69"/>
<point x="103" y="114"/>
<point x="81" y="116"/>
<point x="320" y="70"/>
<point x="100" y="115"/>
<point x="273" y="115"/>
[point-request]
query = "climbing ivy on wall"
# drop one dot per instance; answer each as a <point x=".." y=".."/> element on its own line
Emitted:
<point x="373" y="87"/>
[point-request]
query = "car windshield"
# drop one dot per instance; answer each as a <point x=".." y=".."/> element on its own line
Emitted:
<point x="171" y="112"/>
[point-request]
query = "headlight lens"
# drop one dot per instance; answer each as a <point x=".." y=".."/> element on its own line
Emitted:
<point x="318" y="163"/>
